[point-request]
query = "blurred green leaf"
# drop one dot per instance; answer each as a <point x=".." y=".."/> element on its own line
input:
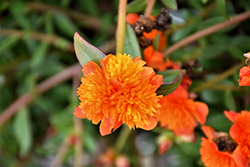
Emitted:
<point x="212" y="96"/>
<point x="39" y="55"/>
<point x="7" y="43"/>
<point x="196" y="4"/>
<point x="65" y="25"/>
<point x="131" y="45"/>
<point x="170" y="3"/>
<point x="219" y="121"/>
<point x="89" y="141"/>
<point x="204" y="1"/>
<point x="242" y="42"/>
<point x="235" y="52"/>
<point x="22" y="131"/>
<point x="86" y="52"/>
<point x="171" y="80"/>
<point x="221" y="7"/>
<point x="90" y="7"/>
<point x="136" y="6"/>
<point x="184" y="32"/>
<point x="229" y="101"/>
<point x="17" y="9"/>
<point x="213" y="51"/>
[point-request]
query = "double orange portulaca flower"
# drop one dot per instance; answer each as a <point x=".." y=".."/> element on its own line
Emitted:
<point x="220" y="150"/>
<point x="121" y="91"/>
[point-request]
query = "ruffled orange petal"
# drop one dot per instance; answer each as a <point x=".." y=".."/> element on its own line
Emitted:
<point x="208" y="131"/>
<point x="201" y="112"/>
<point x="90" y="67"/>
<point x="105" y="127"/>
<point x="179" y="93"/>
<point x="152" y="124"/>
<point x="78" y="113"/>
<point x="231" y="115"/>
<point x="240" y="157"/>
<point x="157" y="81"/>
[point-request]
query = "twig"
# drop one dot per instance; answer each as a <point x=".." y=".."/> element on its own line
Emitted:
<point x="41" y="88"/>
<point x="228" y="88"/>
<point x="149" y="7"/>
<point x="78" y="127"/>
<point x="220" y="77"/>
<point x="207" y="31"/>
<point x="121" y="140"/>
<point x="85" y="20"/>
<point x="61" y="153"/>
<point x="51" y="39"/>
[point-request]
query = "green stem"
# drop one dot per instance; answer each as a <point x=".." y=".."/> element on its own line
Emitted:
<point x="220" y="77"/>
<point x="121" y="26"/>
<point x="120" y="142"/>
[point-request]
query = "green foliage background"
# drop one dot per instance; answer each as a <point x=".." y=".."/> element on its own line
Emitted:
<point x="36" y="43"/>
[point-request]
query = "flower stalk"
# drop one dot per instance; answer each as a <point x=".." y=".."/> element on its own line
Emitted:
<point x="121" y="26"/>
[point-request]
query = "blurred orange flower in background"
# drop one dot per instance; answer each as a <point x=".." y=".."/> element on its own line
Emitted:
<point x="244" y="76"/>
<point x="181" y="114"/>
<point x="240" y="130"/>
<point x="122" y="91"/>
<point x="220" y="151"/>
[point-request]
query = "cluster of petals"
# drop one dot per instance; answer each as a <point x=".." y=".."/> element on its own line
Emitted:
<point x="181" y="114"/>
<point x="240" y="130"/>
<point x="213" y="156"/>
<point x="121" y="91"/>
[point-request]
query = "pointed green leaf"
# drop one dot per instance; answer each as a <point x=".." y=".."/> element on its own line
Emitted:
<point x="22" y="131"/>
<point x="136" y="6"/>
<point x="171" y="80"/>
<point x="86" y="52"/>
<point x="170" y="3"/>
<point x="221" y="7"/>
<point x="131" y="45"/>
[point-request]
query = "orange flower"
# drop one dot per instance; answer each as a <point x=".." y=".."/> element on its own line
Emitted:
<point x="154" y="59"/>
<point x="162" y="38"/>
<point x="181" y="114"/>
<point x="240" y="131"/>
<point x="220" y="151"/>
<point x="131" y="18"/>
<point x="122" y="91"/>
<point x="244" y="76"/>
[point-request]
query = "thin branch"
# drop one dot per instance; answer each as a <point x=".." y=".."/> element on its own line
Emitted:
<point x="228" y="88"/>
<point x="122" y="138"/>
<point x="51" y="39"/>
<point x="149" y="7"/>
<point x="41" y="88"/>
<point x="78" y="127"/>
<point x="207" y="31"/>
<point x="61" y="153"/>
<point x="86" y="20"/>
